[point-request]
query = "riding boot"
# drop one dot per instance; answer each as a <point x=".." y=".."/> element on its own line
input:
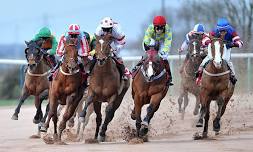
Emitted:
<point x="92" y="64"/>
<point x="50" y="76"/>
<point x="233" y="78"/>
<point x="199" y="75"/>
<point x="122" y="68"/>
<point x="167" y="68"/>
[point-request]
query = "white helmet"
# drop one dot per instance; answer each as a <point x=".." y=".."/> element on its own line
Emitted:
<point x="106" y="22"/>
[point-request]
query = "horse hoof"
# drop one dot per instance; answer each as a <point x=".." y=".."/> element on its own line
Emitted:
<point x="180" y="110"/>
<point x="101" y="138"/>
<point x="200" y="123"/>
<point x="133" y="116"/>
<point x="36" y="121"/>
<point x="14" y="117"/>
<point x="43" y="129"/>
<point x="60" y="143"/>
<point x="196" y="136"/>
<point x="217" y="133"/>
<point x="204" y="135"/>
<point x="144" y="129"/>
<point x="216" y="125"/>
<point x="196" y="112"/>
<point x="34" y="137"/>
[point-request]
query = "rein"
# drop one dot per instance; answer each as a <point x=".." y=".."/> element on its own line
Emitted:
<point x="154" y="77"/>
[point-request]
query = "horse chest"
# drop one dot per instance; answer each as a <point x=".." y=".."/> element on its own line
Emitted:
<point x="35" y="87"/>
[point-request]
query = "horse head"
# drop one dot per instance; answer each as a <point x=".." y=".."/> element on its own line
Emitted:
<point x="103" y="48"/>
<point x="71" y="55"/>
<point x="216" y="49"/>
<point x="152" y="63"/>
<point x="33" y="54"/>
<point x="195" y="51"/>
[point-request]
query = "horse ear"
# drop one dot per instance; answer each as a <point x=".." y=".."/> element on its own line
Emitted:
<point x="27" y="43"/>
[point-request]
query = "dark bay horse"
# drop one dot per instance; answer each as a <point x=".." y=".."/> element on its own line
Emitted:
<point x="36" y="82"/>
<point x="67" y="88"/>
<point x="194" y="58"/>
<point x="148" y="87"/>
<point x="215" y="85"/>
<point x="105" y="86"/>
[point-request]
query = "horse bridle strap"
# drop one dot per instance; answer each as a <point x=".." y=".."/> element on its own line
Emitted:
<point x="216" y="74"/>
<point x="65" y="73"/>
<point x="37" y="75"/>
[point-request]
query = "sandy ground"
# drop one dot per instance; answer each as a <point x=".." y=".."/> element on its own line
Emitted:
<point x="167" y="131"/>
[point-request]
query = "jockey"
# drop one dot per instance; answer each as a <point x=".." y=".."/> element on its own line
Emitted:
<point x="234" y="40"/>
<point x="48" y="46"/>
<point x="108" y="26"/>
<point x="160" y="32"/>
<point x="197" y="30"/>
<point x="83" y="46"/>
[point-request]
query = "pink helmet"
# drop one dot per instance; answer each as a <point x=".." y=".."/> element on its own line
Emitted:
<point x="74" y="29"/>
<point x="106" y="22"/>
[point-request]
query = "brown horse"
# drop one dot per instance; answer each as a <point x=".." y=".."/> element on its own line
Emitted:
<point x="148" y="87"/>
<point x="36" y="82"/>
<point x="105" y="85"/>
<point x="194" y="58"/>
<point x="67" y="88"/>
<point x="215" y="85"/>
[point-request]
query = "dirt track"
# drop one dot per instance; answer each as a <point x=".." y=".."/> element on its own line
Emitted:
<point x="167" y="131"/>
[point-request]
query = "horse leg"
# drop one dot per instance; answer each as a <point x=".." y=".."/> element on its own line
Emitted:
<point x="203" y="100"/>
<point x="138" y="105"/>
<point x="112" y="106"/>
<point x="220" y="112"/>
<point x="39" y="113"/>
<point x="207" y="115"/>
<point x="70" y="110"/>
<point x="197" y="105"/>
<point x="151" y="109"/>
<point x="97" y="109"/>
<point x="180" y="101"/>
<point x="87" y="104"/>
<point x="87" y="117"/>
<point x="53" y="105"/>
<point x="42" y="121"/>
<point x="186" y="101"/>
<point x="22" y="99"/>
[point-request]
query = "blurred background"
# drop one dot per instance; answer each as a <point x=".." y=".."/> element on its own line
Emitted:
<point x="21" y="20"/>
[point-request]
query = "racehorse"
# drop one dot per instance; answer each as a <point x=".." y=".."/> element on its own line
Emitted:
<point x="148" y="87"/>
<point x="105" y="86"/>
<point x="36" y="82"/>
<point x="215" y="85"/>
<point x="67" y="88"/>
<point x="194" y="58"/>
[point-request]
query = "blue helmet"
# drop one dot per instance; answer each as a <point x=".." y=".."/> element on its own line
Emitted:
<point x="199" y="28"/>
<point x="222" y="24"/>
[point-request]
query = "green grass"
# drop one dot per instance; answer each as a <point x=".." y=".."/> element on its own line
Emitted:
<point x="14" y="102"/>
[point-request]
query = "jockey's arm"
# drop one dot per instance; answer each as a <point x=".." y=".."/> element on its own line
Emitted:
<point x="237" y="42"/>
<point x="148" y="36"/>
<point x="167" y="41"/>
<point x="52" y="51"/>
<point x="60" y="47"/>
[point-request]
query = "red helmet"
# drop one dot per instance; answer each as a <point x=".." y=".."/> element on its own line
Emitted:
<point x="74" y="29"/>
<point x="159" y="20"/>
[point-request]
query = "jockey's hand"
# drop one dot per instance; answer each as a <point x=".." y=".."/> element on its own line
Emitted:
<point x="163" y="55"/>
<point x="92" y="53"/>
<point x="44" y="51"/>
<point x="48" y="52"/>
<point x="180" y="50"/>
<point x="230" y="45"/>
